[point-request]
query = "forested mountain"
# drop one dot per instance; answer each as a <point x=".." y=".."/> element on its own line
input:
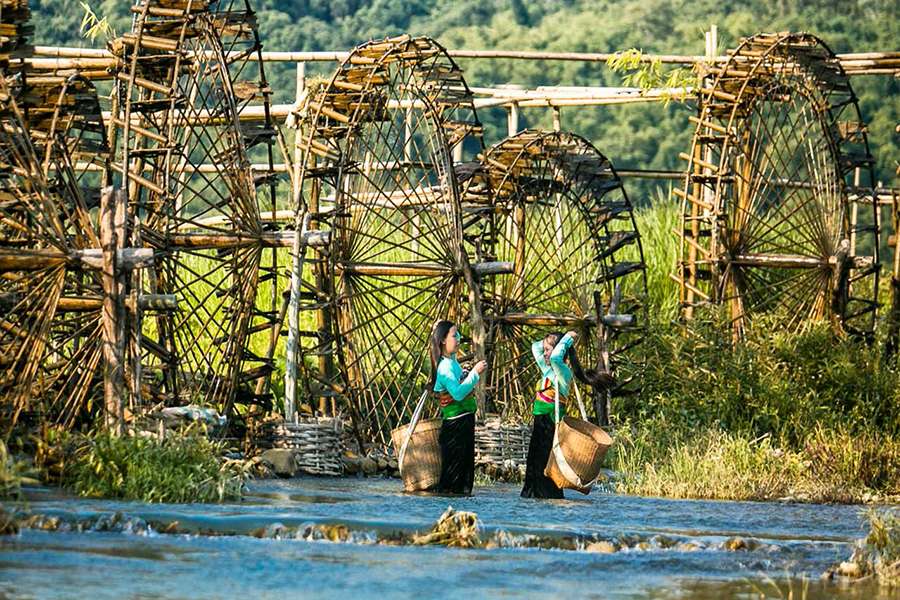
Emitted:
<point x="642" y="136"/>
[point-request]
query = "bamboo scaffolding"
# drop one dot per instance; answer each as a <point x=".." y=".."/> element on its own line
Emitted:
<point x="857" y="63"/>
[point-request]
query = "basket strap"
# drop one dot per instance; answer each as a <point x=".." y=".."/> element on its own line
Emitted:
<point x="580" y="403"/>
<point x="411" y="428"/>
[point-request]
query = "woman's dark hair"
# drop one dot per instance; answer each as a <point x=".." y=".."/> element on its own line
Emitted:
<point x="591" y="377"/>
<point x="439" y="333"/>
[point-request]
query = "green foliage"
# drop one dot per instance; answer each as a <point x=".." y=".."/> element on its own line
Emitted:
<point x="812" y="416"/>
<point x="636" y="136"/>
<point x="647" y="74"/>
<point x="657" y="226"/>
<point x="13" y="474"/>
<point x="183" y="468"/>
<point x="93" y="26"/>
<point x="882" y="545"/>
<point x="773" y="383"/>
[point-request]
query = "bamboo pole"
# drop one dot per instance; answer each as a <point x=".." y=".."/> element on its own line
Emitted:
<point x="850" y="61"/>
<point x="512" y="119"/>
<point x="112" y="238"/>
<point x="293" y="340"/>
<point x="780" y="261"/>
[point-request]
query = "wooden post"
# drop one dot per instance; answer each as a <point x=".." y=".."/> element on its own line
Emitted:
<point x="512" y="119"/>
<point x="893" y="338"/>
<point x="854" y="213"/>
<point x="112" y="237"/>
<point x="458" y="152"/>
<point x="298" y="134"/>
<point x="557" y="119"/>
<point x="293" y="339"/>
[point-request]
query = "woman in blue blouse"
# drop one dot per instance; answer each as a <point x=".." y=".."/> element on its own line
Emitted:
<point x="550" y="354"/>
<point x="454" y="389"/>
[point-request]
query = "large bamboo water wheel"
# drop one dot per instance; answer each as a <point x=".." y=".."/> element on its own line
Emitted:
<point x="378" y="172"/>
<point x="186" y="72"/>
<point x="769" y="222"/>
<point x="33" y="259"/>
<point x="561" y="215"/>
<point x="50" y="244"/>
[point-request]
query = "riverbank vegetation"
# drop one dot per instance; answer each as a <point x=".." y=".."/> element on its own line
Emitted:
<point x="877" y="556"/>
<point x="809" y="415"/>
<point x="14" y="473"/>
<point x="181" y="467"/>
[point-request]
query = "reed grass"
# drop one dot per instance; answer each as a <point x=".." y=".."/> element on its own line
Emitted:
<point x="14" y="474"/>
<point x="180" y="468"/>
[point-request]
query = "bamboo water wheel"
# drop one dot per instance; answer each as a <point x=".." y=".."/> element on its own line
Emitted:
<point x="66" y="125"/>
<point x="51" y="288"/>
<point x="33" y="260"/>
<point x="562" y="217"/>
<point x="379" y="174"/>
<point x="769" y="225"/>
<point x="186" y="71"/>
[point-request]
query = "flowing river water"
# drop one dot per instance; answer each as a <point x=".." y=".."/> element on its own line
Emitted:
<point x="271" y="545"/>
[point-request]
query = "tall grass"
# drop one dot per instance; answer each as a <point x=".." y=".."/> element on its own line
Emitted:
<point x="812" y="416"/>
<point x="833" y="466"/>
<point x="658" y="225"/>
<point x="13" y="474"/>
<point x="181" y="468"/>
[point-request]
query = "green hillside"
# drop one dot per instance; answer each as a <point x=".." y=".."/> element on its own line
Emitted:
<point x="643" y="136"/>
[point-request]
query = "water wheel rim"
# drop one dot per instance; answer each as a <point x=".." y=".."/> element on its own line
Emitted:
<point x="590" y="210"/>
<point x="745" y="278"/>
<point x="206" y="228"/>
<point x="396" y="260"/>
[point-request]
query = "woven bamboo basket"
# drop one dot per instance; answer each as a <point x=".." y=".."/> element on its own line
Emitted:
<point x="317" y="441"/>
<point x="421" y="468"/>
<point x="499" y="443"/>
<point x="583" y="445"/>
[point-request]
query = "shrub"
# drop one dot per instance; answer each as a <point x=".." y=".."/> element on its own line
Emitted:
<point x="183" y="468"/>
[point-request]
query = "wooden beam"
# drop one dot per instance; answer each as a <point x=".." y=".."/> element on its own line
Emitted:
<point x="542" y="320"/>
<point x="395" y="269"/>
<point x="780" y="261"/>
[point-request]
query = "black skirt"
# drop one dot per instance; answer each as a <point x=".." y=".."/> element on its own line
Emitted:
<point x="457" y="440"/>
<point x="538" y="485"/>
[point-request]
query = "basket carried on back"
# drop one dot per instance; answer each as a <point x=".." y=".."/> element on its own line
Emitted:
<point x="578" y="450"/>
<point x="420" y="466"/>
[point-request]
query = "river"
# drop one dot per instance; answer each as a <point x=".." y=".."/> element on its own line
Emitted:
<point x="262" y="547"/>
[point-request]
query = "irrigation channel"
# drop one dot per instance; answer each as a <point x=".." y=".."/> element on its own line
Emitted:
<point x="275" y="544"/>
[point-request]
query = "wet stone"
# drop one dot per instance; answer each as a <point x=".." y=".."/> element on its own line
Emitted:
<point x="282" y="460"/>
<point x="687" y="547"/>
<point x="663" y="541"/>
<point x="738" y="543"/>
<point x="369" y="466"/>
<point x="601" y="547"/>
<point x="849" y="569"/>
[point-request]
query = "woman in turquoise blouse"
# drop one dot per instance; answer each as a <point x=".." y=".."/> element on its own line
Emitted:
<point x="550" y="354"/>
<point x="454" y="389"/>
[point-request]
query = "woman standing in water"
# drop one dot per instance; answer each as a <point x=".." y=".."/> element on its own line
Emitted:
<point x="551" y="355"/>
<point x="455" y="391"/>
